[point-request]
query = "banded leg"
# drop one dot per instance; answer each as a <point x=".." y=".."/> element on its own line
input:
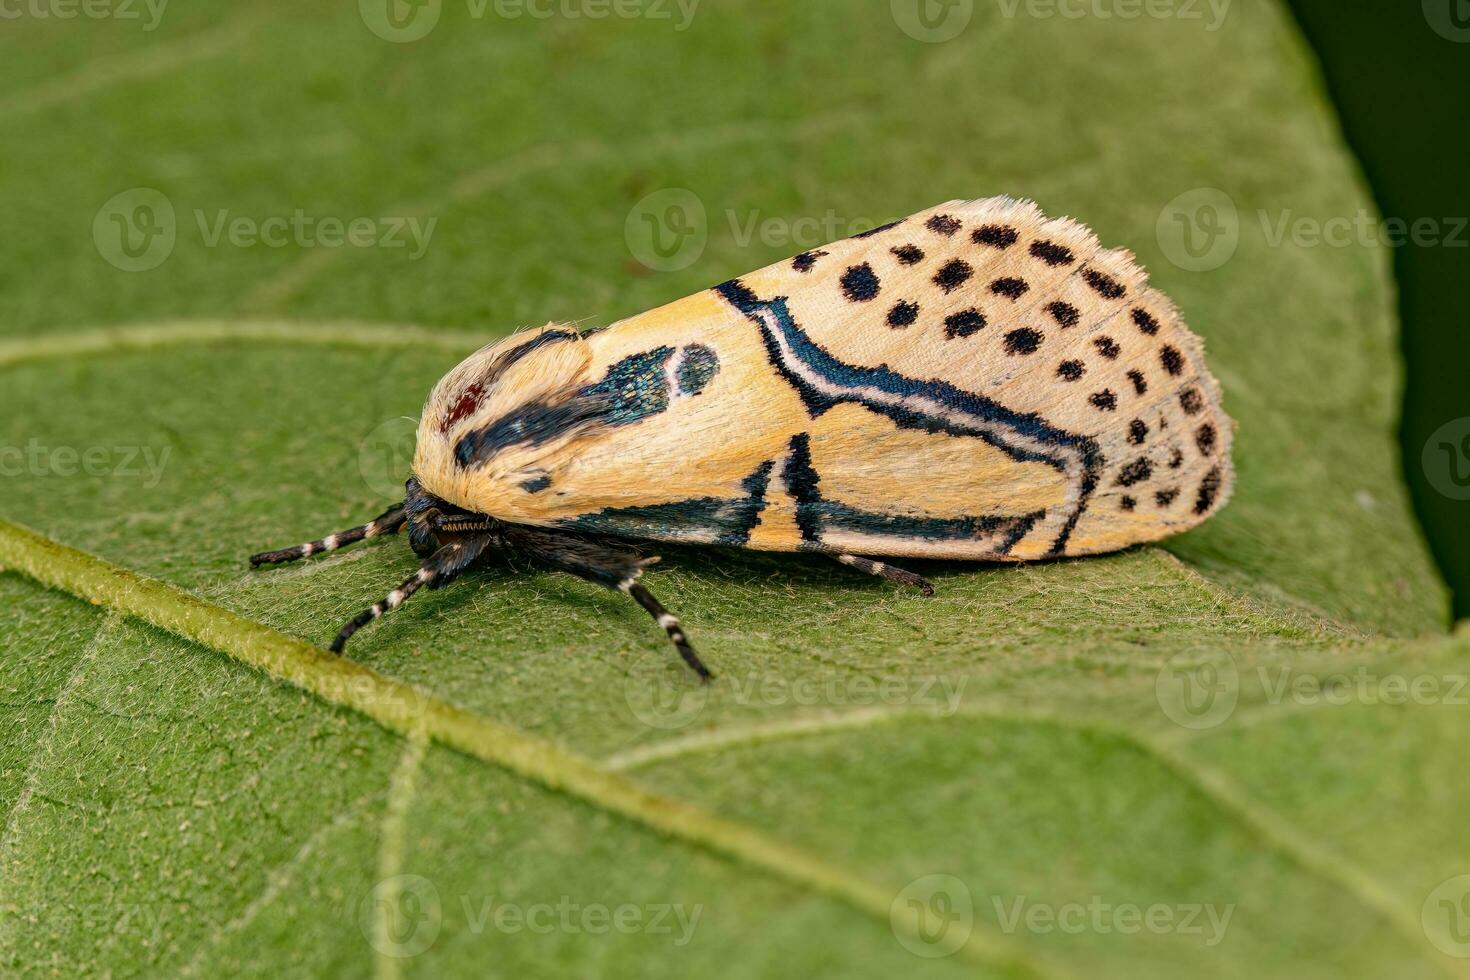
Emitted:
<point x="886" y="571"/>
<point x="670" y="623"/>
<point x="610" y="566"/>
<point x="388" y="522"/>
<point x="442" y="566"/>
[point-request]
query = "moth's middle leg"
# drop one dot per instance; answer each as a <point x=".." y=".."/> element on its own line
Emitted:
<point x="608" y="565"/>
<point x="886" y="571"/>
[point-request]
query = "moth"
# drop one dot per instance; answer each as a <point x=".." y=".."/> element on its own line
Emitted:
<point x="976" y="381"/>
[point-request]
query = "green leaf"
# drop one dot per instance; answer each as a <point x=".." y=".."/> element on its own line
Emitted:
<point x="1124" y="766"/>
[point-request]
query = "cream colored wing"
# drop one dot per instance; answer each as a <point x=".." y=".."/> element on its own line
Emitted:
<point x="973" y="381"/>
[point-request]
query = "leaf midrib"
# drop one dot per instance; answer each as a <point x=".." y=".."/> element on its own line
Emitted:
<point x="855" y="891"/>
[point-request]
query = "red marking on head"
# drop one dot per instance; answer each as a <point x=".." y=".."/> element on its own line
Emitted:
<point x="465" y="407"/>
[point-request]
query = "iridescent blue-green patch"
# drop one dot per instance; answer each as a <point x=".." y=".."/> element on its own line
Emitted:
<point x="697" y="369"/>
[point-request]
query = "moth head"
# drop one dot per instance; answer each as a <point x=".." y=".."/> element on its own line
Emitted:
<point x="504" y="421"/>
<point x="496" y="415"/>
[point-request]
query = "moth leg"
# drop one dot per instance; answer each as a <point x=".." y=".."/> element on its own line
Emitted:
<point x="669" y="622"/>
<point x="388" y="522"/>
<point x="886" y="571"/>
<point x="437" y="570"/>
<point x="610" y="566"/>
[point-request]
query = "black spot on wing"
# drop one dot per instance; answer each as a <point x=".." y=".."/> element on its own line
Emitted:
<point x="1166" y="497"/>
<point x="1139" y="384"/>
<point x="1107" y="347"/>
<point x="1204" y="438"/>
<point x="903" y="314"/>
<point x="1191" y="401"/>
<point x="1135" y="472"/>
<point x="909" y="254"/>
<point x="1065" y="314"/>
<point x="1071" y="370"/>
<point x="1023" y="341"/>
<point x="1104" y="401"/>
<point x="963" y="323"/>
<point x="1209" y="489"/>
<point x="1052" y="254"/>
<point x="996" y="236"/>
<point x="943" y="224"/>
<point x="955" y="274"/>
<point x="1145" y="321"/>
<point x="1105" y="285"/>
<point x="1127" y="503"/>
<point x="1137" y="432"/>
<point x="860" y="283"/>
<point x="805" y="261"/>
<point x="1010" y="287"/>
<point x="1172" y="360"/>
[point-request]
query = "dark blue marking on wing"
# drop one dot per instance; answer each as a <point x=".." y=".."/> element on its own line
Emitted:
<point x="991" y="421"/>
<point x="633" y="389"/>
<point x="698" y="366"/>
<point x="815" y="516"/>
<point x="708" y="520"/>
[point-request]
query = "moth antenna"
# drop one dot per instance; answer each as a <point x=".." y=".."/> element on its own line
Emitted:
<point x="388" y="522"/>
<point x="669" y="622"/>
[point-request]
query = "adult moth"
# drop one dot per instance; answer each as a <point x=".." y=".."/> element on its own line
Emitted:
<point x="975" y="381"/>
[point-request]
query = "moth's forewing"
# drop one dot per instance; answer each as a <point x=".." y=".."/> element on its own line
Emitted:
<point x="974" y="381"/>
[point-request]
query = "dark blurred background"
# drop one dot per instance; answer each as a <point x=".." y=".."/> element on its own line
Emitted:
<point x="1399" y="73"/>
